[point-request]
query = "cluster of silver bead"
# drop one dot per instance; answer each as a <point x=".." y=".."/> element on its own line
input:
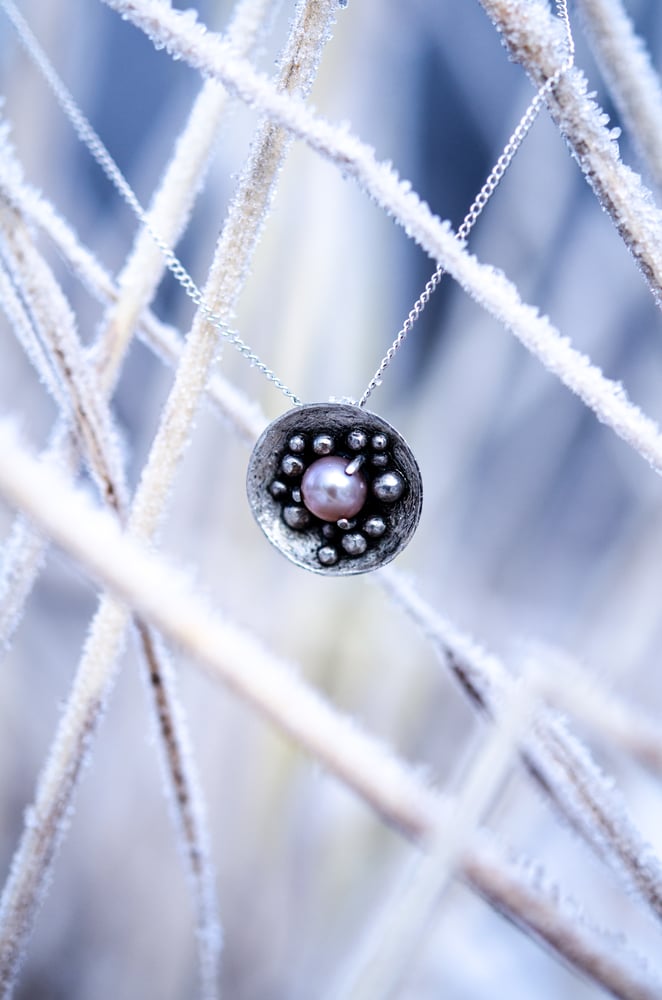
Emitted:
<point x="373" y="484"/>
<point x="335" y="488"/>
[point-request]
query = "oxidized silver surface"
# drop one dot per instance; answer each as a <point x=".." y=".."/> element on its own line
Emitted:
<point x="389" y="516"/>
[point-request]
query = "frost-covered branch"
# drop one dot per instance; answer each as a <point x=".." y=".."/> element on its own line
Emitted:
<point x="570" y="937"/>
<point x="173" y="202"/>
<point x="242" y="413"/>
<point x="531" y="34"/>
<point x="633" y="82"/>
<point x="62" y="358"/>
<point x="615" y="720"/>
<point x="384" y="956"/>
<point x="553" y="755"/>
<point x="169" y="216"/>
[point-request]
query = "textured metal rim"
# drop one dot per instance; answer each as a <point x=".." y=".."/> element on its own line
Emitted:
<point x="273" y="482"/>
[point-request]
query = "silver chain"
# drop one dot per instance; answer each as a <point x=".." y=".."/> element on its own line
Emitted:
<point x="480" y="201"/>
<point x="89" y="138"/>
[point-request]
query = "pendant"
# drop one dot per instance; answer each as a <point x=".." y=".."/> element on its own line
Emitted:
<point x="336" y="489"/>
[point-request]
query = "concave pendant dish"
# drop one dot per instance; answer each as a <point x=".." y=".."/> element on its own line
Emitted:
<point x="336" y="489"/>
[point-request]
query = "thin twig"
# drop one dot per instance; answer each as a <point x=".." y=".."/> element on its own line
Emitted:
<point x="243" y="414"/>
<point x="530" y="33"/>
<point x="633" y="82"/>
<point x="554" y="756"/>
<point x="403" y="922"/>
<point x="617" y="722"/>
<point x="173" y="203"/>
<point x="55" y="323"/>
<point x="23" y="325"/>
<point x="25" y="549"/>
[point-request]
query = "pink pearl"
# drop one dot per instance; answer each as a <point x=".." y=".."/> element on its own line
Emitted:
<point x="329" y="493"/>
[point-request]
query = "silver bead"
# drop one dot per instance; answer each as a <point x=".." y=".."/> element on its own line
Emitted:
<point x="345" y="524"/>
<point x="354" y="545"/>
<point x="278" y="489"/>
<point x="388" y="487"/>
<point x="379" y="442"/>
<point x="291" y="465"/>
<point x="356" y="440"/>
<point x="297" y="443"/>
<point x="327" y="555"/>
<point x="380" y="459"/>
<point x="375" y="527"/>
<point x="296" y="517"/>
<point x="296" y="495"/>
<point x="323" y="444"/>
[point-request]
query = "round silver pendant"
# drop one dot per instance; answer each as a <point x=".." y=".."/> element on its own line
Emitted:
<point x="335" y="488"/>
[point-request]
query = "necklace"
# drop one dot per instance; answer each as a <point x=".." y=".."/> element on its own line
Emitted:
<point x="332" y="485"/>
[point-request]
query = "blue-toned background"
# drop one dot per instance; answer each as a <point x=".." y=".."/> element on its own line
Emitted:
<point x="539" y="524"/>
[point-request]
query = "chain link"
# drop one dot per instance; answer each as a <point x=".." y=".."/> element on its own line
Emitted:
<point x="89" y="138"/>
<point x="481" y="199"/>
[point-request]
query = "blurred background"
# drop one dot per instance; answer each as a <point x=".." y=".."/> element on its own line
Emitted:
<point x="538" y="523"/>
